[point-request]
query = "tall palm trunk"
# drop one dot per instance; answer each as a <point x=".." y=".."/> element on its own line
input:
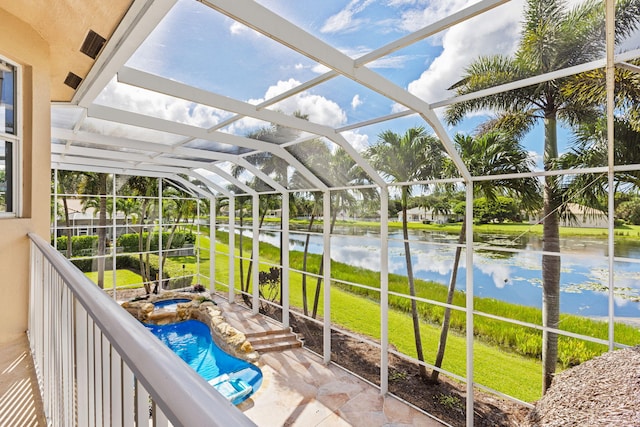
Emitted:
<point x="262" y="216"/>
<point x="102" y="227"/>
<point x="67" y="225"/>
<point x="412" y="287"/>
<point x="446" y="319"/>
<point x="305" y="255"/>
<point x="316" y="297"/>
<point x="172" y="233"/>
<point x="143" y="269"/>
<point x="241" y="250"/>
<point x="551" y="264"/>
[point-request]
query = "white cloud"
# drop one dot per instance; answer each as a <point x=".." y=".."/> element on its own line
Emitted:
<point x="396" y="62"/>
<point x="237" y="28"/>
<point x="501" y="274"/>
<point x="320" y="69"/>
<point x="357" y="140"/>
<point x="428" y="12"/>
<point x="356" y="102"/>
<point x="498" y="33"/>
<point x="345" y="20"/>
<point x="319" y="109"/>
<point x="154" y="104"/>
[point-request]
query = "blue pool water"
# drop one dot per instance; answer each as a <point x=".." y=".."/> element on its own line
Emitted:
<point x="191" y="340"/>
<point x="170" y="304"/>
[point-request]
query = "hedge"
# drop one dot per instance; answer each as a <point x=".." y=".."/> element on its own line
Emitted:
<point x="122" y="261"/>
<point x="130" y="241"/>
<point x="78" y="243"/>
<point x="173" y="271"/>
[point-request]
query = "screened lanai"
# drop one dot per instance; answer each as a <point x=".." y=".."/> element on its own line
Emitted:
<point x="257" y="108"/>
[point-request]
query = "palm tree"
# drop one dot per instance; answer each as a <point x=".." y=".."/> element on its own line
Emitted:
<point x="96" y="184"/>
<point x="146" y="188"/>
<point x="127" y="206"/>
<point x="271" y="165"/>
<point x="317" y="155"/>
<point x="68" y="182"/>
<point x="590" y="150"/>
<point x="341" y="169"/>
<point x="553" y="37"/>
<point x="414" y="156"/>
<point x="176" y="209"/>
<point x="487" y="154"/>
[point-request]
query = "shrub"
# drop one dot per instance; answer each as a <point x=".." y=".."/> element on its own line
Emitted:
<point x="129" y="241"/>
<point x="172" y="274"/>
<point x="78" y="243"/>
<point x="122" y="261"/>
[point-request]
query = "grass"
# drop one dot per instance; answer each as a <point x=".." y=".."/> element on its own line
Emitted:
<point x="620" y="231"/>
<point x="125" y="279"/>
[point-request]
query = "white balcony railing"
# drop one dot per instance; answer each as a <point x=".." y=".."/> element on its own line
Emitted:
<point x="98" y="366"/>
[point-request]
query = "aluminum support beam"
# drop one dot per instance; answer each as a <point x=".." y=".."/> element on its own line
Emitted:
<point x="610" y="87"/>
<point x="140" y="20"/>
<point x="175" y="89"/>
<point x="160" y="244"/>
<point x="279" y="29"/>
<point x="133" y="144"/>
<point x="285" y="277"/>
<point x="255" y="253"/>
<point x="114" y="252"/>
<point x="469" y="301"/>
<point x="326" y="260"/>
<point x="232" y="248"/>
<point x="148" y="122"/>
<point x="384" y="290"/>
<point x="212" y="246"/>
<point x="233" y="180"/>
<point x="627" y="66"/>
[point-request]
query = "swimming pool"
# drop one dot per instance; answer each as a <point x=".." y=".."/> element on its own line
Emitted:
<point x="170" y="304"/>
<point x="191" y="340"/>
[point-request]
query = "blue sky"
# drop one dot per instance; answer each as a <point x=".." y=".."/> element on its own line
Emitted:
<point x="198" y="46"/>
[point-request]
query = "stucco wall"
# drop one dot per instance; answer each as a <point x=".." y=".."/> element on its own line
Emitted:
<point x="20" y="44"/>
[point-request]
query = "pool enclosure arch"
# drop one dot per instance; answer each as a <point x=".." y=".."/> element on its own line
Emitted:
<point x="107" y="128"/>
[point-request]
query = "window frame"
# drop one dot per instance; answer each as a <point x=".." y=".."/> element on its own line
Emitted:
<point x="16" y="143"/>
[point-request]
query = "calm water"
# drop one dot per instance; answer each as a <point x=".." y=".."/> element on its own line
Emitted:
<point x="512" y="277"/>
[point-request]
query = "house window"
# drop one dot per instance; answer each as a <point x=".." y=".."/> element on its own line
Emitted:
<point x="9" y="139"/>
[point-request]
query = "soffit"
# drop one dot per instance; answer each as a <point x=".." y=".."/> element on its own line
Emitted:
<point x="65" y="24"/>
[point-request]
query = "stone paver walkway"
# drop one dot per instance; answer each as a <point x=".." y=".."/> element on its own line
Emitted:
<point x="298" y="389"/>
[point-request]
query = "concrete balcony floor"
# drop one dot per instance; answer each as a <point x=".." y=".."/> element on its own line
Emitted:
<point x="20" y="402"/>
<point x="298" y="389"/>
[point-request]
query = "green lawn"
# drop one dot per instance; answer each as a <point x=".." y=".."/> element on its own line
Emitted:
<point x="124" y="279"/>
<point x="621" y="231"/>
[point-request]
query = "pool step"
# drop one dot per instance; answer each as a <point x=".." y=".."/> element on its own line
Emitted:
<point x="273" y="340"/>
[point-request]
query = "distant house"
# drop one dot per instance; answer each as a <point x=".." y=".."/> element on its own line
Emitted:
<point x="584" y="217"/>
<point x="421" y="214"/>
<point x="85" y="222"/>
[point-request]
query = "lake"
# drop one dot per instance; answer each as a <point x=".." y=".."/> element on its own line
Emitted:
<point x="509" y="276"/>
